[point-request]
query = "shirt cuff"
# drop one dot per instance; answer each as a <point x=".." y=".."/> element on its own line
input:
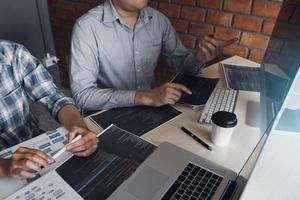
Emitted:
<point x="124" y="98"/>
<point x="59" y="104"/>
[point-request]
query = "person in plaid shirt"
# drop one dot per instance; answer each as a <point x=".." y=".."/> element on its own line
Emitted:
<point x="23" y="77"/>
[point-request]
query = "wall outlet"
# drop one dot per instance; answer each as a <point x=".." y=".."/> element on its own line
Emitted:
<point x="49" y="60"/>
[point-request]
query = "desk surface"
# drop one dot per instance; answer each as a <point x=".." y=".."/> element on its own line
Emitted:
<point x="244" y="139"/>
<point x="233" y="156"/>
<point x="276" y="174"/>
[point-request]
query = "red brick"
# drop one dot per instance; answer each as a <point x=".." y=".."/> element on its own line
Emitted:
<point x="194" y="14"/>
<point x="235" y="50"/>
<point x="238" y="6"/>
<point x="179" y="25"/>
<point x="220" y="18"/>
<point x="268" y="27"/>
<point x="247" y="23"/>
<point x="186" y="2"/>
<point x="266" y="9"/>
<point x="200" y="29"/>
<point x="254" y="40"/>
<point x="187" y="40"/>
<point x="169" y="10"/>
<point x="226" y="33"/>
<point x="216" y="4"/>
<point x="275" y="44"/>
<point x="256" y="55"/>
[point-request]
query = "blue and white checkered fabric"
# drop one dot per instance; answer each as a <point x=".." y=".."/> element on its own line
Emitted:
<point x="22" y="77"/>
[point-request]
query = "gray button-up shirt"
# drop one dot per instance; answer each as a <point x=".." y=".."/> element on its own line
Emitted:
<point x="110" y="60"/>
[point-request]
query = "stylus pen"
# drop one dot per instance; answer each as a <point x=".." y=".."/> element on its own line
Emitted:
<point x="55" y="156"/>
<point x="196" y="138"/>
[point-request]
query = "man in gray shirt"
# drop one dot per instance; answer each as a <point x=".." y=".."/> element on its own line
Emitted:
<point x="114" y="51"/>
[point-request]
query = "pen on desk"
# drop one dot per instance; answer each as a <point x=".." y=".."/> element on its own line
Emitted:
<point x="196" y="138"/>
<point x="55" y="156"/>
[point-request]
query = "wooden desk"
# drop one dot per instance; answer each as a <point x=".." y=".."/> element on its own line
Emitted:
<point x="244" y="139"/>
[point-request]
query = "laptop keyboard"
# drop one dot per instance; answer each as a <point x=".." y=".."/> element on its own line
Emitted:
<point x="194" y="183"/>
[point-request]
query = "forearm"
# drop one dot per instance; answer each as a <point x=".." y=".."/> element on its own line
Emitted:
<point x="69" y="117"/>
<point x="95" y="98"/>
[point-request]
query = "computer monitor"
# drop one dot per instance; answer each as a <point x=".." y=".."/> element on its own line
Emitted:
<point x="280" y="65"/>
<point x="279" y="72"/>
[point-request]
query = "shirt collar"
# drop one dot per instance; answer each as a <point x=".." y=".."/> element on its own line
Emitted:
<point x="110" y="14"/>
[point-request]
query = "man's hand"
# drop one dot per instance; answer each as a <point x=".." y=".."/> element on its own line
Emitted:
<point x="168" y="93"/>
<point x="86" y="145"/>
<point x="210" y="48"/>
<point x="25" y="162"/>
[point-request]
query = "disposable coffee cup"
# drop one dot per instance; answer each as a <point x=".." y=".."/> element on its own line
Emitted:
<point x="223" y="124"/>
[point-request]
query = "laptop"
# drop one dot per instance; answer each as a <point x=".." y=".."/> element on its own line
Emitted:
<point x="174" y="173"/>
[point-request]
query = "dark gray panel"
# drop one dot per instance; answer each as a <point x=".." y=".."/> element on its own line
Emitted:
<point x="27" y="22"/>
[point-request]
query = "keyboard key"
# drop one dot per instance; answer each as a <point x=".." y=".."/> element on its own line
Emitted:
<point x="188" y="169"/>
<point x="180" y="191"/>
<point x="191" y="165"/>
<point x="177" y="196"/>
<point x="208" y="175"/>
<point x="199" y="189"/>
<point x="191" y="187"/>
<point x="188" y="192"/>
<point x="172" y="190"/>
<point x="190" y="177"/>
<point x="195" y="171"/>
<point x="195" y="182"/>
<point x="204" y="195"/>
<point x="181" y="178"/>
<point x="184" y="173"/>
<point x="196" y="194"/>
<point x="187" y="182"/>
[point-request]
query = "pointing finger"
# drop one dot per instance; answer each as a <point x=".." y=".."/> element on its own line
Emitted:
<point x="181" y="87"/>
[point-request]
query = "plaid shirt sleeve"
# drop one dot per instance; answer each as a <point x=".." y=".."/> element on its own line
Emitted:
<point x="38" y="83"/>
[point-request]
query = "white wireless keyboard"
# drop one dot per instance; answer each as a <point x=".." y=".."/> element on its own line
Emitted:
<point x="219" y="100"/>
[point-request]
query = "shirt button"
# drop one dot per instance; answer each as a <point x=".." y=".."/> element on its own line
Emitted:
<point x="139" y="87"/>
<point x="138" y="70"/>
<point x="137" y="52"/>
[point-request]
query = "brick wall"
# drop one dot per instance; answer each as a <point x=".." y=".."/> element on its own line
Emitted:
<point x="251" y="21"/>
